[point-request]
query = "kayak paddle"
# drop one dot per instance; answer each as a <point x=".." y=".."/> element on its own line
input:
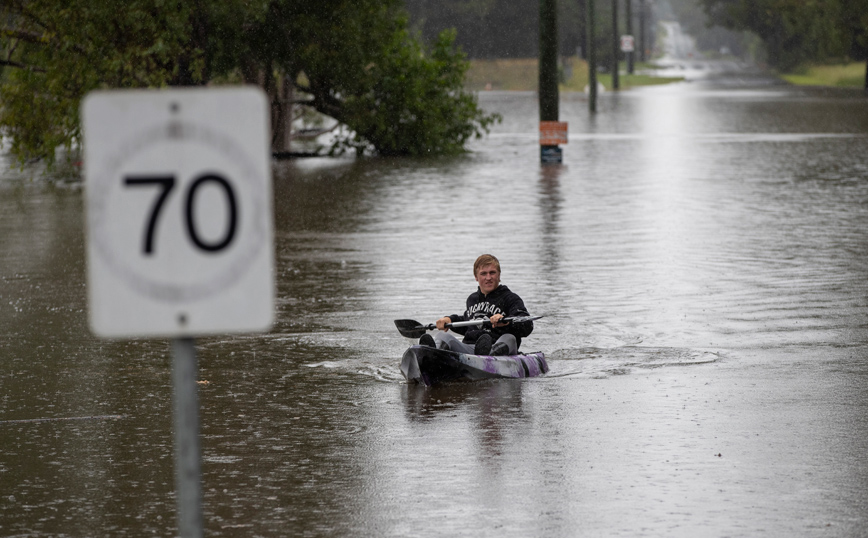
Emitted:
<point x="413" y="329"/>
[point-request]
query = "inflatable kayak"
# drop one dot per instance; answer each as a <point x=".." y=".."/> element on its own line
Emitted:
<point x="430" y="366"/>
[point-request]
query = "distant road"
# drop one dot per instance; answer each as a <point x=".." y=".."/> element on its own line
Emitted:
<point x="682" y="59"/>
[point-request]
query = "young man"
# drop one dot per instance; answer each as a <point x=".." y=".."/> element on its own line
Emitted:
<point x="492" y="301"/>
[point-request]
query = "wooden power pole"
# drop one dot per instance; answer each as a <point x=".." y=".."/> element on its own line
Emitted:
<point x="548" y="61"/>
<point x="629" y="17"/>
<point x="616" y="46"/>
<point x="592" y="56"/>
<point x="552" y="131"/>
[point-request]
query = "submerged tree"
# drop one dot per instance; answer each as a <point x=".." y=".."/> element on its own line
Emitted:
<point x="360" y="65"/>
<point x="351" y="59"/>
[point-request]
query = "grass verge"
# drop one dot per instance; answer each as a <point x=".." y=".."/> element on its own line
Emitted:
<point x="849" y="75"/>
<point x="522" y="74"/>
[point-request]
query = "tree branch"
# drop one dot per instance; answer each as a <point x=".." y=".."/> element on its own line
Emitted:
<point x="23" y="35"/>
<point x="10" y="63"/>
<point x="323" y="101"/>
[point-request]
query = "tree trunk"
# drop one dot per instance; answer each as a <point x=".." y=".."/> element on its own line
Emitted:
<point x="281" y="116"/>
<point x="280" y="105"/>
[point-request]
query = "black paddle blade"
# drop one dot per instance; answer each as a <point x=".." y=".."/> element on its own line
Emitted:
<point x="410" y="328"/>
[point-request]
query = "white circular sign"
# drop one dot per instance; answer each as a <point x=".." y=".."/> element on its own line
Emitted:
<point x="179" y="215"/>
<point x="183" y="232"/>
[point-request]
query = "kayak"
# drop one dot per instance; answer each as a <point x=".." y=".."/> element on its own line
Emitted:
<point x="430" y="366"/>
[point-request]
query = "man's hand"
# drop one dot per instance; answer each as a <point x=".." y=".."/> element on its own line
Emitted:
<point x="495" y="321"/>
<point x="442" y="322"/>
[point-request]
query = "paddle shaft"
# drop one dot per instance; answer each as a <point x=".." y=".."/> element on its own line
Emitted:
<point x="413" y="329"/>
<point x="432" y="326"/>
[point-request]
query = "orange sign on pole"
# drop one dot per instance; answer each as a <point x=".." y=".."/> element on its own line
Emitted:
<point x="552" y="133"/>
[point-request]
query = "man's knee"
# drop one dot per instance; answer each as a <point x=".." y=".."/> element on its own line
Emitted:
<point x="510" y="342"/>
<point x="443" y="340"/>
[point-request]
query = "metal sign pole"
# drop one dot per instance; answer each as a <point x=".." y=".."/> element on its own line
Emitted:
<point x="188" y="472"/>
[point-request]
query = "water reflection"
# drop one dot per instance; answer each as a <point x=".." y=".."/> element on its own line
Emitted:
<point x="552" y="271"/>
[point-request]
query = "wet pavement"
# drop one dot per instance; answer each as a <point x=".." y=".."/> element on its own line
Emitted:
<point x="700" y="260"/>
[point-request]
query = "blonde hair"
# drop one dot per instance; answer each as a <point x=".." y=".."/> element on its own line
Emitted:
<point x="482" y="261"/>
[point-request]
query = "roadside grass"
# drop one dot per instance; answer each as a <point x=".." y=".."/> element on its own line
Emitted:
<point x="849" y="75"/>
<point x="522" y="74"/>
<point x="515" y="74"/>
<point x="626" y="81"/>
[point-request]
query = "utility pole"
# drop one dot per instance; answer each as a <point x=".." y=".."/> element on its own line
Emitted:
<point x="630" y="33"/>
<point x="583" y="32"/>
<point x="866" y="75"/>
<point x="548" y="61"/>
<point x="642" y="31"/>
<point x="552" y="132"/>
<point x="616" y="46"/>
<point x="592" y="57"/>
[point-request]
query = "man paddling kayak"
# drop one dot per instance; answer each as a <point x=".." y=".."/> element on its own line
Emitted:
<point x="493" y="301"/>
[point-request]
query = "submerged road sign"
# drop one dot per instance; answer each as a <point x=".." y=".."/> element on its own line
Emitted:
<point x="179" y="212"/>
<point x="552" y="133"/>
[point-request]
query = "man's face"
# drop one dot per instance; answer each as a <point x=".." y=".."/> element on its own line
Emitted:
<point x="488" y="278"/>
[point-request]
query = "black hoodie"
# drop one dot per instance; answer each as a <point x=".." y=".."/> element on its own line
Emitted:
<point x="500" y="301"/>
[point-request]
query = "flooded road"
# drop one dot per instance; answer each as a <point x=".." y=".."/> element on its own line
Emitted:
<point x="700" y="260"/>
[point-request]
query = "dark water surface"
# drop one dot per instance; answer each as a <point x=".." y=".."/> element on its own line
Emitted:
<point x="700" y="259"/>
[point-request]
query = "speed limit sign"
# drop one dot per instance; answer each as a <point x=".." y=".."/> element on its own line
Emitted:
<point x="179" y="212"/>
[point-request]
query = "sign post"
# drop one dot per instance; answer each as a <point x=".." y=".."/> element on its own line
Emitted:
<point x="188" y="463"/>
<point x="179" y="233"/>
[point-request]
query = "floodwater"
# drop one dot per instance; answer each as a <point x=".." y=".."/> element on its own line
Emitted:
<point x="701" y="260"/>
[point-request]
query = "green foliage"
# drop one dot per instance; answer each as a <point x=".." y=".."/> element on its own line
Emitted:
<point x="415" y="103"/>
<point x="365" y="69"/>
<point x="362" y="65"/>
<point x="62" y="50"/>
<point x="797" y="31"/>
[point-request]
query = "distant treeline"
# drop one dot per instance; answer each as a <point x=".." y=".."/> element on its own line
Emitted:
<point x="489" y="29"/>
<point x="785" y="33"/>
<point x="798" y="32"/>
<point x="495" y="28"/>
